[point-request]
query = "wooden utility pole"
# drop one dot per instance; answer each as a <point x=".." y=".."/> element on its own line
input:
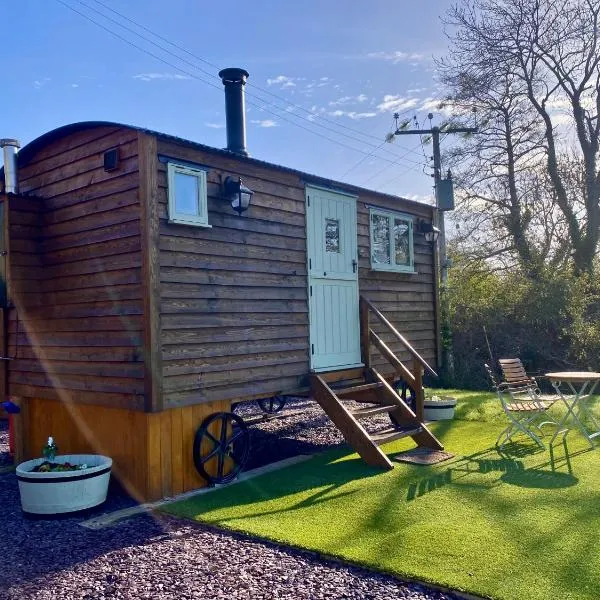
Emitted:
<point x="447" y="357"/>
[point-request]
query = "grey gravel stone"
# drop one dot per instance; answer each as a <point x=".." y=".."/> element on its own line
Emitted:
<point x="159" y="557"/>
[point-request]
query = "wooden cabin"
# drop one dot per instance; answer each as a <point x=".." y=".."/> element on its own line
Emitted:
<point x="138" y="302"/>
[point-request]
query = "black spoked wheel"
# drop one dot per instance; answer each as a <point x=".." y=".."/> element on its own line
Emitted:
<point x="271" y="405"/>
<point x="221" y="447"/>
<point x="407" y="394"/>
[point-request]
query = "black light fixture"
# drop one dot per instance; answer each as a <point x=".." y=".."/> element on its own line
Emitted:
<point x="237" y="193"/>
<point x="429" y="230"/>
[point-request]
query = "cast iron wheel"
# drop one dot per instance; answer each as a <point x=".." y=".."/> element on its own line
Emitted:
<point x="230" y="449"/>
<point x="272" y="405"/>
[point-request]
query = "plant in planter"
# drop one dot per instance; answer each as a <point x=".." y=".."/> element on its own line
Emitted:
<point x="438" y="408"/>
<point x="57" y="484"/>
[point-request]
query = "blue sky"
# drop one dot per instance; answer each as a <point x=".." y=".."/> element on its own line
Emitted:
<point x="318" y="70"/>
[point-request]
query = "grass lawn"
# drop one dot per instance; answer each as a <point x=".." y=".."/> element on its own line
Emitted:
<point x="524" y="524"/>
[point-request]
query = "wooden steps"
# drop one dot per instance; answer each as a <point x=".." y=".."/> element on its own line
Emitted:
<point x="371" y="411"/>
<point x="358" y="389"/>
<point x="394" y="433"/>
<point x="332" y="389"/>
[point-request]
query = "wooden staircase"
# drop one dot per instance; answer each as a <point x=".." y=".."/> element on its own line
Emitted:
<point x="367" y="387"/>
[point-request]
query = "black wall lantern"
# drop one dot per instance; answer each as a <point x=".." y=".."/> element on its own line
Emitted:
<point x="237" y="193"/>
<point x="429" y="230"/>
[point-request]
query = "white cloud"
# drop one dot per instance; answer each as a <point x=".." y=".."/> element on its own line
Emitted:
<point x="159" y="76"/>
<point x="264" y="123"/>
<point x="352" y="114"/>
<point x="393" y="103"/>
<point x="38" y="83"/>
<point x="215" y="125"/>
<point x="74" y="85"/>
<point x="396" y="56"/>
<point x="283" y="81"/>
<point x="349" y="99"/>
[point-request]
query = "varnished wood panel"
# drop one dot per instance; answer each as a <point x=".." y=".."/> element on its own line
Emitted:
<point x="150" y="270"/>
<point x="76" y="328"/>
<point x="238" y="285"/>
<point x="151" y="452"/>
<point x="231" y="293"/>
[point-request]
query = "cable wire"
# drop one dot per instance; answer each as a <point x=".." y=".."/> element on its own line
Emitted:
<point x="215" y="86"/>
<point x="251" y="84"/>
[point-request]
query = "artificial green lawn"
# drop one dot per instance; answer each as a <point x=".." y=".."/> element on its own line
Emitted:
<point x="521" y="525"/>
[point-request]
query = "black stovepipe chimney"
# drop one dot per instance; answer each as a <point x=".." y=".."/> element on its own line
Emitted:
<point x="234" y="81"/>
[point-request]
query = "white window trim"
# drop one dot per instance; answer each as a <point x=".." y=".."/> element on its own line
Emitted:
<point x="201" y="218"/>
<point x="411" y="242"/>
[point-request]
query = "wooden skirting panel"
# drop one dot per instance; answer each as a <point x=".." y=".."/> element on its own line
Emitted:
<point x="151" y="452"/>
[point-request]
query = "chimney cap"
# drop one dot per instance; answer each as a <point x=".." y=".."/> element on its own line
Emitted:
<point x="9" y="142"/>
<point x="234" y="74"/>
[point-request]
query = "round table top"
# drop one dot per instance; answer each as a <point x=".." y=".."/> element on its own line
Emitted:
<point x="574" y="376"/>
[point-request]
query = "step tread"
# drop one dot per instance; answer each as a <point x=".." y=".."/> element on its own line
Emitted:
<point x="357" y="389"/>
<point x="371" y="411"/>
<point x="342" y="374"/>
<point x="394" y="433"/>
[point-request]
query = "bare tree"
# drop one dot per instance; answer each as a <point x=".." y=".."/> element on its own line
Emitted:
<point x="532" y="68"/>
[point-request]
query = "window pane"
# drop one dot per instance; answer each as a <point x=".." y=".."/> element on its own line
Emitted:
<point x="402" y="242"/>
<point x="332" y="235"/>
<point x="380" y="244"/>
<point x="186" y="194"/>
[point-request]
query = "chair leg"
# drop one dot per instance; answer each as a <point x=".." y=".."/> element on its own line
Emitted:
<point x="504" y="434"/>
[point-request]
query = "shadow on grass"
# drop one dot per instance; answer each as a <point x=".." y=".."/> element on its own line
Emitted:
<point x="328" y="472"/>
<point x="544" y="475"/>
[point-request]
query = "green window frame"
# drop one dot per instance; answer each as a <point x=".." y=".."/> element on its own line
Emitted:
<point x="188" y="202"/>
<point x="392" y="241"/>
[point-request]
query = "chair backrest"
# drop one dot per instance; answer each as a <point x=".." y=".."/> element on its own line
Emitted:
<point x="518" y="383"/>
<point x="514" y="372"/>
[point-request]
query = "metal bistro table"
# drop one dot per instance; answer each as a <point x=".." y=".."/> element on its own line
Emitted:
<point x="582" y="385"/>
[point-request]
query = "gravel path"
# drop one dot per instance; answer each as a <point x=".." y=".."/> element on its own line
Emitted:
<point x="160" y="557"/>
<point x="306" y="430"/>
<point x="4" y="456"/>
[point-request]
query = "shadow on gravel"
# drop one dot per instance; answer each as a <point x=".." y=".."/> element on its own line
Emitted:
<point x="33" y="548"/>
<point x="268" y="447"/>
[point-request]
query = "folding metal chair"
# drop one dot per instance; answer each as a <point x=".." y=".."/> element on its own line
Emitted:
<point x="523" y="407"/>
<point x="514" y="374"/>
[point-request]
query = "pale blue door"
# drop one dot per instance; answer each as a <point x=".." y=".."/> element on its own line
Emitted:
<point x="332" y="279"/>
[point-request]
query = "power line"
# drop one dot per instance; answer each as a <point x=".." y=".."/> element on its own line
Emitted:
<point x="251" y="84"/>
<point x="392" y="163"/>
<point x="195" y="66"/>
<point x="186" y="72"/>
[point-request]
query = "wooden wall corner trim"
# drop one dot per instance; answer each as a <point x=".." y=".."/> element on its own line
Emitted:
<point x="149" y="216"/>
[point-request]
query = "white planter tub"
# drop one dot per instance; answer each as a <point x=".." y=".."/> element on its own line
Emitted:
<point x="438" y="410"/>
<point x="65" y="491"/>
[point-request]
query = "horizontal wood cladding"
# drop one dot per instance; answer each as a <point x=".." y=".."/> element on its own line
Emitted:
<point x="233" y="298"/>
<point x="406" y="299"/>
<point x="152" y="453"/>
<point x="76" y="331"/>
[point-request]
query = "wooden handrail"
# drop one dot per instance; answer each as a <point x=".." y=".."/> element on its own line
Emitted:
<point x="416" y="356"/>
<point x="391" y="357"/>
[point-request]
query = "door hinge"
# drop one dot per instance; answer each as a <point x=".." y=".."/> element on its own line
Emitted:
<point x="310" y="263"/>
<point x="311" y="290"/>
<point x="312" y="348"/>
<point x="308" y="200"/>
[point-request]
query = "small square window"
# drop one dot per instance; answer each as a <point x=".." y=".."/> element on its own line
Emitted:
<point x="332" y="235"/>
<point x="187" y="195"/>
<point x="391" y="241"/>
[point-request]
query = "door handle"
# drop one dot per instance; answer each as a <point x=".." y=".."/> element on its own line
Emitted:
<point x="354" y="265"/>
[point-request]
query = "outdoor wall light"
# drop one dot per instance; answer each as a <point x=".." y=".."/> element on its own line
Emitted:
<point x="237" y="193"/>
<point x="429" y="230"/>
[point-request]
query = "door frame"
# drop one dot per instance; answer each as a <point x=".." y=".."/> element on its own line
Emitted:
<point x="307" y="188"/>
